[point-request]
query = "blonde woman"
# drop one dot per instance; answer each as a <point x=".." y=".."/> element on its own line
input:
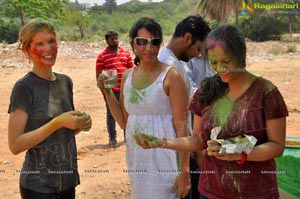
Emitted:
<point x="42" y="119"/>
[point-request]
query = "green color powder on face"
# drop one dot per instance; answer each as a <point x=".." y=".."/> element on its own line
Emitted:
<point x="222" y="110"/>
<point x="221" y="69"/>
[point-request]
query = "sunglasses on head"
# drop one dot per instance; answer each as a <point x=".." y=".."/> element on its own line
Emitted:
<point x="141" y="41"/>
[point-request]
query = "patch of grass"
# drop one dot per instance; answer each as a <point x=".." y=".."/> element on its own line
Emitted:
<point x="4" y="44"/>
<point x="293" y="37"/>
<point x="291" y="48"/>
<point x="275" y="50"/>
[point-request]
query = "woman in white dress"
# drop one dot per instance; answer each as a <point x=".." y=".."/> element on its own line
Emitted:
<point x="153" y="101"/>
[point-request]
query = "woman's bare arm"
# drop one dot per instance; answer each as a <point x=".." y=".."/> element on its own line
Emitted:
<point x="19" y="141"/>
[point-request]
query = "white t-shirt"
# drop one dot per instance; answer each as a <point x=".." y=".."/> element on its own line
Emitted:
<point x="166" y="56"/>
<point x="197" y="69"/>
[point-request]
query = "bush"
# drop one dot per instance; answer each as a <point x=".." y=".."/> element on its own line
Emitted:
<point x="291" y="48"/>
<point x="262" y="27"/>
<point x="9" y="30"/>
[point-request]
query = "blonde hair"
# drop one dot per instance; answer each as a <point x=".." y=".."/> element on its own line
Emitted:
<point x="29" y="30"/>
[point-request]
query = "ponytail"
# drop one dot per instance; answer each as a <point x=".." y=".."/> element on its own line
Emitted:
<point x="212" y="88"/>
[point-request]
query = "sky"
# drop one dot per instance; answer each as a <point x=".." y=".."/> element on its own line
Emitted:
<point x="100" y="2"/>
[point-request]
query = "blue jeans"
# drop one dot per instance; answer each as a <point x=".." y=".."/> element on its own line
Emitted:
<point x="110" y="121"/>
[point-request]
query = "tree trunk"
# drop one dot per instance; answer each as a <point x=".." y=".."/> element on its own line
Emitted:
<point x="81" y="32"/>
<point x="22" y="18"/>
<point x="237" y="18"/>
<point x="290" y="24"/>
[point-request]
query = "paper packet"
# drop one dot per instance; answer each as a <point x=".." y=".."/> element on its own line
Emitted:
<point x="237" y="144"/>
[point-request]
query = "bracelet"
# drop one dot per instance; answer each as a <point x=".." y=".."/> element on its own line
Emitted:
<point x="243" y="160"/>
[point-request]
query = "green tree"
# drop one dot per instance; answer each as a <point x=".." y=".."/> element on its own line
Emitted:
<point x="262" y="27"/>
<point x="110" y="6"/>
<point x="221" y="10"/>
<point x="96" y="9"/>
<point x="9" y="30"/>
<point x="33" y="8"/>
<point x="73" y="16"/>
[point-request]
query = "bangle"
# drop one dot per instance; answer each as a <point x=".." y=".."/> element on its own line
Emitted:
<point x="244" y="158"/>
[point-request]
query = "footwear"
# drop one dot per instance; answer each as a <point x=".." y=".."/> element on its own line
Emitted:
<point x="113" y="143"/>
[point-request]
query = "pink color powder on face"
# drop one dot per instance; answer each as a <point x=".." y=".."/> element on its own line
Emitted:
<point x="213" y="44"/>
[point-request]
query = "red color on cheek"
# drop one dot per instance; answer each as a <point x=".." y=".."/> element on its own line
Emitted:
<point x="36" y="52"/>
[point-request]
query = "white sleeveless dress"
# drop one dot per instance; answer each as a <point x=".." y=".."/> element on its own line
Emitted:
<point x="152" y="172"/>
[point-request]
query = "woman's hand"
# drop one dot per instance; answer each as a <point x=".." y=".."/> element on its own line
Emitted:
<point x="101" y="82"/>
<point x="86" y="126"/>
<point x="213" y="149"/>
<point x="182" y="185"/>
<point x="74" y="120"/>
<point x="148" y="141"/>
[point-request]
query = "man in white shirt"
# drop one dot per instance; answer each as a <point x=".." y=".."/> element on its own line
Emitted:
<point x="186" y="43"/>
<point x="197" y="69"/>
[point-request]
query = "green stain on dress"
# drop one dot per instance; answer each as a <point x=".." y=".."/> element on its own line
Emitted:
<point x="222" y="109"/>
<point x="136" y="96"/>
<point x="236" y="185"/>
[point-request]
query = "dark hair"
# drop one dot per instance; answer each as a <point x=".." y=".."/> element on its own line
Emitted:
<point x="150" y="25"/>
<point x="232" y="42"/>
<point x="194" y="24"/>
<point x="110" y="33"/>
<point x="234" y="45"/>
<point x="212" y="88"/>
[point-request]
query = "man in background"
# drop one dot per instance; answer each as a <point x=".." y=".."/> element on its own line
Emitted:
<point x="114" y="56"/>
<point x="186" y="43"/>
<point x="197" y="69"/>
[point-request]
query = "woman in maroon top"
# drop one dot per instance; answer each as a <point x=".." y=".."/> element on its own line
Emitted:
<point x="240" y="103"/>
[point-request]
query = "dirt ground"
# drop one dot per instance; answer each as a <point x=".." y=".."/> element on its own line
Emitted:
<point x="102" y="168"/>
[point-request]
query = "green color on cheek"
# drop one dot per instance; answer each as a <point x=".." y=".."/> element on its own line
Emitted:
<point x="221" y="68"/>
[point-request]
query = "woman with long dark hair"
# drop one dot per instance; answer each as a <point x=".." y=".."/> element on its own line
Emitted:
<point x="239" y="103"/>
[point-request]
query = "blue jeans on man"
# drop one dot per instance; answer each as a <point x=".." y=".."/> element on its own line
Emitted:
<point x="111" y="123"/>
